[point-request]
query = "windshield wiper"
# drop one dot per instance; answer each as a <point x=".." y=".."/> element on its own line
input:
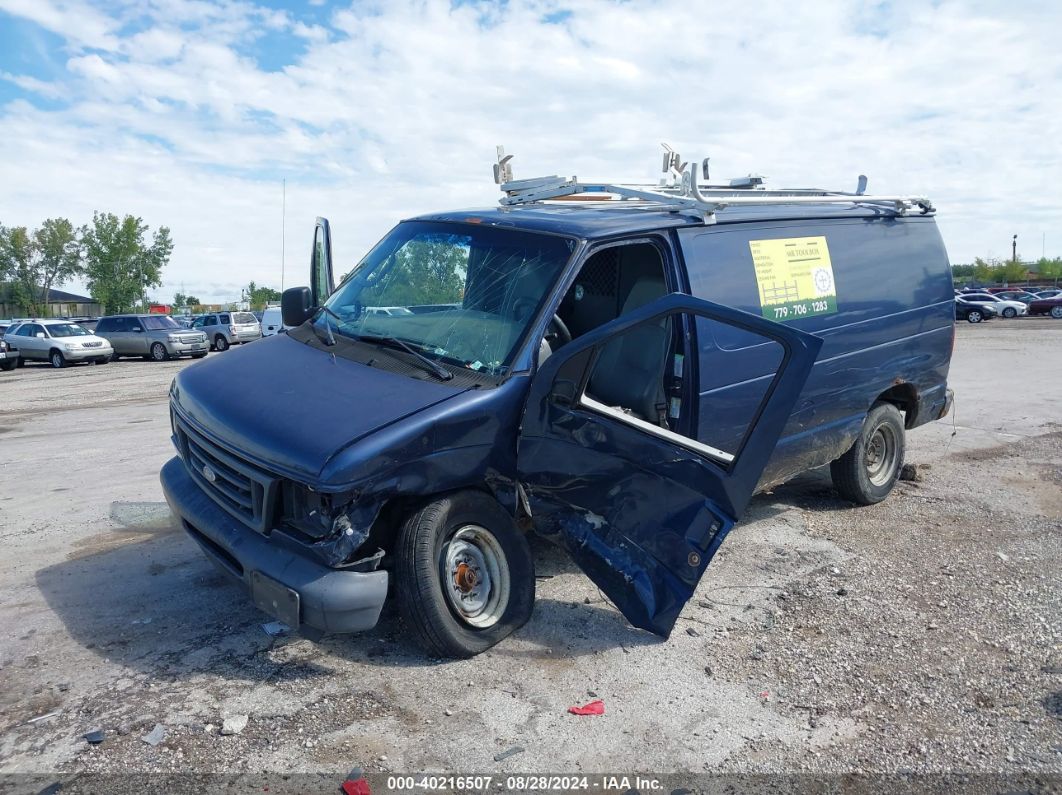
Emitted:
<point x="434" y="368"/>
<point x="331" y="338"/>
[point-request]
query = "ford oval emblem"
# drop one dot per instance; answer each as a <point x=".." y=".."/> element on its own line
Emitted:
<point x="208" y="473"/>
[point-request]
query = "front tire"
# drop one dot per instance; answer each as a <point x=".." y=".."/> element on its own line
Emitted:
<point x="974" y="317"/>
<point x="1010" y="312"/>
<point x="57" y="359"/>
<point x="867" y="473"/>
<point x="464" y="575"/>
<point x="158" y="352"/>
<point x="1056" y="312"/>
<point x="9" y="364"/>
<point x="220" y="343"/>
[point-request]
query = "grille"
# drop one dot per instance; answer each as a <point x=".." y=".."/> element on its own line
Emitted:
<point x="188" y="340"/>
<point x="599" y="274"/>
<point x="92" y="344"/>
<point x="243" y="490"/>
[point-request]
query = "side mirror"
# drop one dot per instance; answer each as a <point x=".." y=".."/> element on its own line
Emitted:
<point x="40" y="335"/>
<point x="296" y="306"/>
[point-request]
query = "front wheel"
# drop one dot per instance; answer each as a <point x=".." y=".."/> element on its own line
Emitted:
<point x="9" y="364"/>
<point x="868" y="471"/>
<point x="974" y="317"/>
<point x="221" y="343"/>
<point x="1010" y="312"/>
<point x="1056" y="312"/>
<point x="57" y="359"/>
<point x="158" y="352"/>
<point x="464" y="575"/>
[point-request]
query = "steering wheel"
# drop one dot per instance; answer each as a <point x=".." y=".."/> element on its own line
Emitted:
<point x="557" y="333"/>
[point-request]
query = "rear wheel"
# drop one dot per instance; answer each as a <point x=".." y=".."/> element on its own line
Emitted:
<point x="464" y="574"/>
<point x="57" y="359"/>
<point x="221" y="343"/>
<point x="867" y="473"/>
<point x="158" y="352"/>
<point x="1056" y="312"/>
<point x="1010" y="312"/>
<point x="974" y="316"/>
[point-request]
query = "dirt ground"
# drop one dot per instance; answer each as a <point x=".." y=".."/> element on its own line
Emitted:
<point x="922" y="634"/>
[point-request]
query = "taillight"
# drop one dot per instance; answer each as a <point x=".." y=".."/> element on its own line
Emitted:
<point x="232" y="329"/>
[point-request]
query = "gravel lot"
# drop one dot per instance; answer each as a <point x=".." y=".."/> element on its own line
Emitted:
<point x="922" y="634"/>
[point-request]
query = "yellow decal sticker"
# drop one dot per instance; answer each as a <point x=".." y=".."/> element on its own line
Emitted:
<point x="794" y="277"/>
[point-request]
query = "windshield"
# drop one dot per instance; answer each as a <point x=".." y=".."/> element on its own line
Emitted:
<point x="158" y="322"/>
<point x="460" y="293"/>
<point x="66" y="330"/>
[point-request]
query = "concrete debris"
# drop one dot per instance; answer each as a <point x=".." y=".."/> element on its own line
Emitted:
<point x="234" y="724"/>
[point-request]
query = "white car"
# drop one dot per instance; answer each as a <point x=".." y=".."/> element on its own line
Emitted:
<point x="1002" y="306"/>
<point x="272" y="322"/>
<point x="59" y="342"/>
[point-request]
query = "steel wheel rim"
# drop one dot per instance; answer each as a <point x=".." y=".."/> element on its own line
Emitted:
<point x="475" y="576"/>
<point x="880" y="455"/>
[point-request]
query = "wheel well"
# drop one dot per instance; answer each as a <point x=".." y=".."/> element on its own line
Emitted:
<point x="54" y="350"/>
<point x="394" y="512"/>
<point x="905" y="397"/>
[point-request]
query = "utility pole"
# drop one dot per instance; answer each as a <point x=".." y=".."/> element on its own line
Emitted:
<point x="1014" y="249"/>
<point x="283" y="228"/>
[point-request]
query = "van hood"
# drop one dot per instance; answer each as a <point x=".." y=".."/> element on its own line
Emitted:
<point x="288" y="407"/>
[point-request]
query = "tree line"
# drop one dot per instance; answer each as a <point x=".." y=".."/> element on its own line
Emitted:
<point x="990" y="271"/>
<point x="116" y="257"/>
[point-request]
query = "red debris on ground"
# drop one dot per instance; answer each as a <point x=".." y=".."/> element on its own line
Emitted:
<point x="593" y="708"/>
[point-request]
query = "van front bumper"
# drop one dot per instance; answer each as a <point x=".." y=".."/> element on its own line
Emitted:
<point x="329" y="600"/>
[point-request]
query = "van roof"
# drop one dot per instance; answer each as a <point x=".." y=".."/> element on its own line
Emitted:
<point x="583" y="220"/>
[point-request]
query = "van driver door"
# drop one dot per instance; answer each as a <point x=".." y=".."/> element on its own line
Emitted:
<point x="641" y="507"/>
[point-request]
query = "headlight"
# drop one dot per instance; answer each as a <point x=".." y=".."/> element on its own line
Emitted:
<point x="172" y="338"/>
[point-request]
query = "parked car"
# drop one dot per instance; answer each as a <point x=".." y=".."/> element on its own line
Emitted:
<point x="157" y="337"/>
<point x="57" y="341"/>
<point x="1016" y="295"/>
<point x="1047" y="306"/>
<point x="621" y="381"/>
<point x="1051" y="293"/>
<point x="8" y="354"/>
<point x="228" y="328"/>
<point x="1007" y="309"/>
<point x="272" y="322"/>
<point x="973" y="313"/>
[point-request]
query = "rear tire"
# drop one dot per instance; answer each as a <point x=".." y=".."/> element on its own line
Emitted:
<point x="220" y="343"/>
<point x="867" y="473"/>
<point x="57" y="359"/>
<point x="464" y="575"/>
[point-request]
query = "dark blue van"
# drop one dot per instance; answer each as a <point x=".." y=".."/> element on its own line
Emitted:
<point x="619" y="376"/>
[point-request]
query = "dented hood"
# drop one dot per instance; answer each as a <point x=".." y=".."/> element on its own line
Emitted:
<point x="289" y="407"/>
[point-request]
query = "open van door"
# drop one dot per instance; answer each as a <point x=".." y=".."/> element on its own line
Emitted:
<point x="641" y="508"/>
<point x="322" y="282"/>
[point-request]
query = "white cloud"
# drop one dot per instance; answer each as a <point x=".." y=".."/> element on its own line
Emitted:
<point x="391" y="110"/>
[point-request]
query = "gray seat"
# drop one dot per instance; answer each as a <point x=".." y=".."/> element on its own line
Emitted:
<point x="630" y="370"/>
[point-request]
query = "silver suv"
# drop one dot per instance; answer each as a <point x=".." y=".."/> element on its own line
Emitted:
<point x="157" y="337"/>
<point x="228" y="328"/>
<point x="57" y="341"/>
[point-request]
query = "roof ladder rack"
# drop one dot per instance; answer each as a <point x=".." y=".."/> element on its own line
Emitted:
<point x="679" y="191"/>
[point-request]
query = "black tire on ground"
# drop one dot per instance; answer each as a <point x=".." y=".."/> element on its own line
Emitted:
<point x="1056" y="312"/>
<point x="867" y="473"/>
<point x="159" y="352"/>
<point x="104" y="360"/>
<point x="198" y="355"/>
<point x="974" y="317"/>
<point x="1010" y="312"/>
<point x="437" y="537"/>
<point x="57" y="359"/>
<point x="20" y="362"/>
<point x="114" y="356"/>
<point x="9" y="364"/>
<point x="220" y="343"/>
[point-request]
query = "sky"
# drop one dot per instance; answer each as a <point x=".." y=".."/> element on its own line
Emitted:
<point x="193" y="113"/>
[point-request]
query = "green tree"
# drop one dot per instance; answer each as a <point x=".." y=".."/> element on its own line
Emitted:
<point x="1049" y="268"/>
<point x="59" y="255"/>
<point x="1010" y="271"/>
<point x="191" y="301"/>
<point x="18" y="261"/>
<point x="984" y="270"/>
<point x="258" y="297"/>
<point x="120" y="264"/>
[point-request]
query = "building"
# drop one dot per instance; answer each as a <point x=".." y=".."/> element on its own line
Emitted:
<point x="59" y="304"/>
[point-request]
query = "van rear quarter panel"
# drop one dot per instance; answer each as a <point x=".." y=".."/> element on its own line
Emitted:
<point x="894" y="325"/>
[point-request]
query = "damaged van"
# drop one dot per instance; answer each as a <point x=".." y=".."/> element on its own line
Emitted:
<point x="618" y="368"/>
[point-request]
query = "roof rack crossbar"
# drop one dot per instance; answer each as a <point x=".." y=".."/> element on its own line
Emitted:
<point x="679" y="192"/>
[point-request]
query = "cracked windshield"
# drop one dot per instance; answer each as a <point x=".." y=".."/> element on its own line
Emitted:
<point x="460" y="294"/>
